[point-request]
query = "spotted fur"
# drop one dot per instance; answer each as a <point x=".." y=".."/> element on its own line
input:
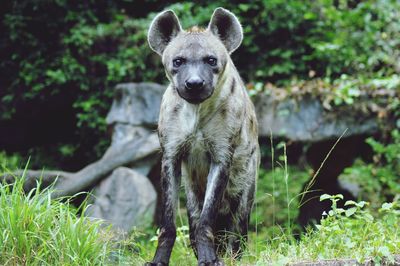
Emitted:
<point x="211" y="144"/>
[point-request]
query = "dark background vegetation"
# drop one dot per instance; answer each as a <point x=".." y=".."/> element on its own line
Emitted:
<point x="60" y="60"/>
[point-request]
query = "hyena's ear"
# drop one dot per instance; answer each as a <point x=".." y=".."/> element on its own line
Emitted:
<point x="226" y="26"/>
<point x="163" y="29"/>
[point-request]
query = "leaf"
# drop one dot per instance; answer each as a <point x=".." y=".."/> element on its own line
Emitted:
<point x="324" y="197"/>
<point x="387" y="206"/>
<point x="338" y="196"/>
<point x="350" y="202"/>
<point x="349" y="212"/>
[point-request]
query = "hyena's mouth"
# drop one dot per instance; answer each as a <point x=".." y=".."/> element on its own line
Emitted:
<point x="195" y="98"/>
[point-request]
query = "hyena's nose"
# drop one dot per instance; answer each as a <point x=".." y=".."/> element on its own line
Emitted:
<point x="193" y="84"/>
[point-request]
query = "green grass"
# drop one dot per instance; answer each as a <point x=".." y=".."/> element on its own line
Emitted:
<point x="35" y="230"/>
<point x="351" y="233"/>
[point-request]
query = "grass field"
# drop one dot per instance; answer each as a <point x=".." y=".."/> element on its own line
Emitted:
<point x="35" y="230"/>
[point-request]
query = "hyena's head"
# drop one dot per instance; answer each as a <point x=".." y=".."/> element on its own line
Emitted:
<point x="195" y="59"/>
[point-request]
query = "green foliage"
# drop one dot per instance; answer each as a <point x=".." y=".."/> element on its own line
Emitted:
<point x="36" y="230"/>
<point x="357" y="38"/>
<point x="343" y="233"/>
<point x="39" y="231"/>
<point x="9" y="161"/>
<point x="378" y="180"/>
<point x="77" y="53"/>
<point x="272" y="206"/>
<point x="355" y="232"/>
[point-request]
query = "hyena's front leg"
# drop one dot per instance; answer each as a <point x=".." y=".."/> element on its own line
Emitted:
<point x="170" y="180"/>
<point x="216" y="183"/>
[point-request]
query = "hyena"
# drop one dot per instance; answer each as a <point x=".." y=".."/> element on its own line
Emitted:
<point x="208" y="134"/>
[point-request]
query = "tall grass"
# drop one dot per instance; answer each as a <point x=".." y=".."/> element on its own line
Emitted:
<point x="35" y="230"/>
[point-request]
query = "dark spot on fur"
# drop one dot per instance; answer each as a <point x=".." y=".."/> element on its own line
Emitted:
<point x="233" y="86"/>
<point x="215" y="70"/>
<point x="223" y="112"/>
<point x="176" y="109"/>
<point x="253" y="150"/>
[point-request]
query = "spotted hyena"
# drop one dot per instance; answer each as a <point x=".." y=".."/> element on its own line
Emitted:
<point x="208" y="135"/>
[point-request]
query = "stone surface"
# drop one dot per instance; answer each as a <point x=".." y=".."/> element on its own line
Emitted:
<point x="306" y="119"/>
<point x="125" y="199"/>
<point x="133" y="117"/>
<point x="136" y="104"/>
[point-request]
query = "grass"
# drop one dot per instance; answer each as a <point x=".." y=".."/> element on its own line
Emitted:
<point x="35" y="230"/>
<point x="351" y="233"/>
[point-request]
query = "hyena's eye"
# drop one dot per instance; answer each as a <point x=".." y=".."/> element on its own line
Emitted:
<point x="177" y="62"/>
<point x="212" y="61"/>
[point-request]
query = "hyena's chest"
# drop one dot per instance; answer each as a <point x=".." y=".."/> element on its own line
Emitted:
<point x="200" y="139"/>
<point x="196" y="159"/>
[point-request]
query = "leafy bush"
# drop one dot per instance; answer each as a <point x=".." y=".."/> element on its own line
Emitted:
<point x="71" y="56"/>
<point x="378" y="180"/>
<point x="351" y="233"/>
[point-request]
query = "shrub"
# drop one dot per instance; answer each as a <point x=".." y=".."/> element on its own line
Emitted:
<point x="66" y="58"/>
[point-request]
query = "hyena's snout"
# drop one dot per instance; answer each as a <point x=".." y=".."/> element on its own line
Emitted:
<point x="194" y="85"/>
<point x="195" y="90"/>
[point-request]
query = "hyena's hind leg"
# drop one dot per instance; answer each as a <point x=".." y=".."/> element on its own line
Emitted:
<point x="225" y="233"/>
<point x="232" y="229"/>
<point x="193" y="209"/>
<point x="239" y="243"/>
<point x="226" y="228"/>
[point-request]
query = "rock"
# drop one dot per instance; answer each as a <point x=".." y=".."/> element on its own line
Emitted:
<point x="134" y="117"/>
<point x="124" y="199"/>
<point x="136" y="104"/>
<point x="306" y="120"/>
<point x="123" y="133"/>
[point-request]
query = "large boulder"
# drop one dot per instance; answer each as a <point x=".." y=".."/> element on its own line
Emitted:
<point x="307" y="120"/>
<point x="125" y="199"/>
<point x="133" y="117"/>
<point x="136" y="104"/>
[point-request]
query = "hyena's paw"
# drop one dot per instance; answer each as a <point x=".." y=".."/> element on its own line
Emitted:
<point x="207" y="257"/>
<point x="155" y="264"/>
<point x="217" y="262"/>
